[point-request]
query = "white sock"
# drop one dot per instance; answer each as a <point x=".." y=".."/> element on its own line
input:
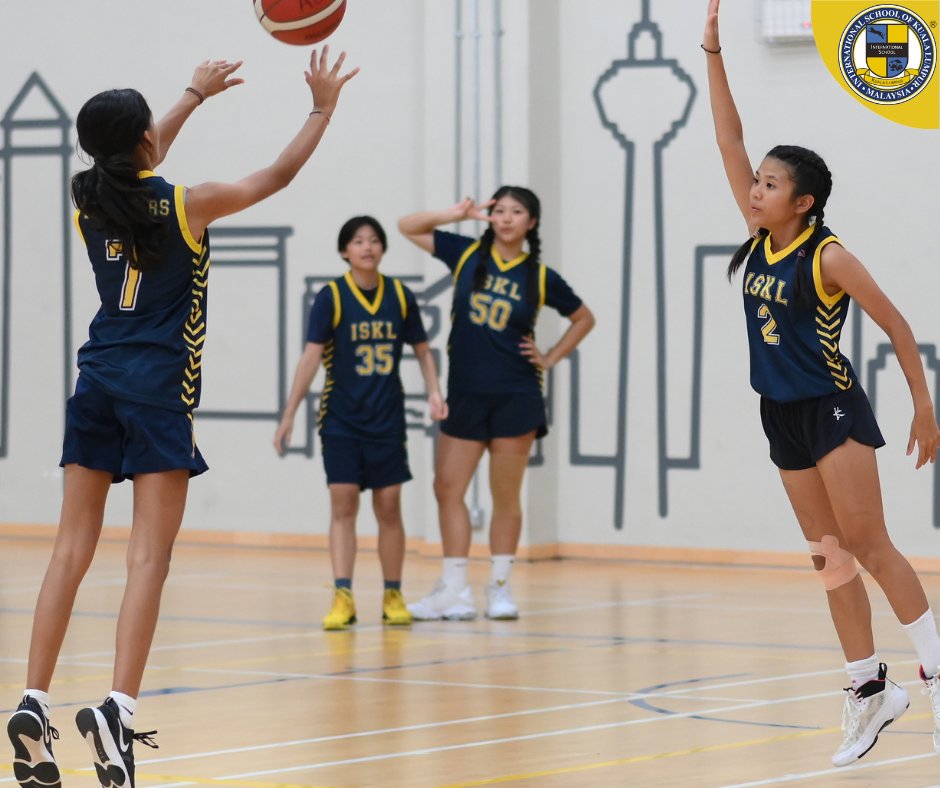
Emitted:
<point x="127" y="706"/>
<point x="923" y="634"/>
<point x="42" y="697"/>
<point x="501" y="568"/>
<point x="455" y="573"/>
<point x="863" y="670"/>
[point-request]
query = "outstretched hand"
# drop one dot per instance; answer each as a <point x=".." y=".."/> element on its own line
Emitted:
<point x="326" y="82"/>
<point x="710" y="39"/>
<point x="925" y="436"/>
<point x="213" y="76"/>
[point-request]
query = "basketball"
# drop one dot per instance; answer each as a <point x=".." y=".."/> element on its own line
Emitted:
<point x="300" y="22"/>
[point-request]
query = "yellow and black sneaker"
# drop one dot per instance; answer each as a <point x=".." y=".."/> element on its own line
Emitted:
<point x="394" y="611"/>
<point x="343" y="614"/>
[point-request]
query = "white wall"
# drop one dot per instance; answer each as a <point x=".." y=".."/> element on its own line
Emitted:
<point x="391" y="150"/>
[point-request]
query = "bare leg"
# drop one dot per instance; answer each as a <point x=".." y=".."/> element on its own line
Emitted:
<point x="848" y="604"/>
<point x="344" y="506"/>
<point x="850" y="474"/>
<point x="159" y="500"/>
<point x="79" y="529"/>
<point x="508" y="460"/>
<point x="456" y="461"/>
<point x="386" y="503"/>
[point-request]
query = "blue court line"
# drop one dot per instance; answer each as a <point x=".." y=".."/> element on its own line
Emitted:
<point x="647" y="706"/>
<point x="179" y="619"/>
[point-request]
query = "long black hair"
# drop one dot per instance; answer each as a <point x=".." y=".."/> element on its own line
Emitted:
<point x="811" y="176"/>
<point x="532" y="205"/>
<point x="110" y="127"/>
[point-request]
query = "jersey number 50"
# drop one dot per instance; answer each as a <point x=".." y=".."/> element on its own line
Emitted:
<point x="486" y="310"/>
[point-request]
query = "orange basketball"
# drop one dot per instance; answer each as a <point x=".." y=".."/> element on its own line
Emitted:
<point x="300" y="22"/>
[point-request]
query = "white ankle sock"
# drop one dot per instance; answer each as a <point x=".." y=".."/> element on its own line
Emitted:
<point x="863" y="670"/>
<point x="501" y="568"/>
<point x="455" y="573"/>
<point x="923" y="634"/>
<point x="42" y="697"/>
<point x="127" y="706"/>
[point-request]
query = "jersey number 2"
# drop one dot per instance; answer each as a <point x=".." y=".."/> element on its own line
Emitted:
<point x="771" y="337"/>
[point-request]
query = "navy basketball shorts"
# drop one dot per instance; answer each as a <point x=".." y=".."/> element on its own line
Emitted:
<point x="482" y="417"/>
<point x="803" y="432"/>
<point x="370" y="464"/>
<point x="106" y="433"/>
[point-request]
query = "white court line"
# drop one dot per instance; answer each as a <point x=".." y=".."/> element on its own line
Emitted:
<point x="100" y="581"/>
<point x="199" y="644"/>
<point x="509" y="739"/>
<point x="387" y="731"/>
<point x="845" y="770"/>
<point x="623" y="697"/>
<point x="679" y="692"/>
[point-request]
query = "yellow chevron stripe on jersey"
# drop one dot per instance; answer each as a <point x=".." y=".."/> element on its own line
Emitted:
<point x="401" y="298"/>
<point x="179" y="197"/>
<point x="194" y="330"/>
<point x="776" y="257"/>
<point x="464" y="257"/>
<point x="337" y="305"/>
<point x="829" y="300"/>
<point x="509" y="264"/>
<point x="379" y="294"/>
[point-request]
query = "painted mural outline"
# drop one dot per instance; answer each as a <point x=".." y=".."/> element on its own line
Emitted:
<point x="266" y="248"/>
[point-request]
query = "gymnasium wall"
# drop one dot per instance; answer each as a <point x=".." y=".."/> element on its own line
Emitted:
<point x="655" y="436"/>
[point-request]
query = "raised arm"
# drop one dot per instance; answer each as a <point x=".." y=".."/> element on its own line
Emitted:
<point x="841" y="270"/>
<point x="210" y="78"/>
<point x="210" y="201"/>
<point x="419" y="227"/>
<point x="728" y="129"/>
<point x="307" y="369"/>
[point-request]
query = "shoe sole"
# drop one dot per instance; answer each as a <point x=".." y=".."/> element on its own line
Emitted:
<point x="396" y="622"/>
<point x="504" y="617"/>
<point x="25" y="732"/>
<point x="875" y="740"/>
<point x="109" y="764"/>
<point x="339" y="627"/>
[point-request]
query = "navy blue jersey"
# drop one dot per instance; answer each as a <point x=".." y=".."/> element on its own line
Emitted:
<point x="363" y="333"/>
<point x="488" y="325"/>
<point x="794" y="347"/>
<point x="145" y="344"/>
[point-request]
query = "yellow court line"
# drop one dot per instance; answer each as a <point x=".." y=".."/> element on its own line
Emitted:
<point x="652" y="757"/>
<point x="169" y="778"/>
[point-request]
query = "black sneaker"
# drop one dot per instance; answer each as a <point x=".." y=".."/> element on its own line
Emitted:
<point x="34" y="764"/>
<point x="112" y="745"/>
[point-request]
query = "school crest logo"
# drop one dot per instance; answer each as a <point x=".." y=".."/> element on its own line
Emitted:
<point x="883" y="55"/>
<point x="887" y="54"/>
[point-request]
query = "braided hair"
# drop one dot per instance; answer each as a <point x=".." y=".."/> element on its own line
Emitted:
<point x="529" y="201"/>
<point x="110" y="127"/>
<point x="811" y="176"/>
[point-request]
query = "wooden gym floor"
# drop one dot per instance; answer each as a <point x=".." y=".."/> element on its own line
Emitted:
<point x="617" y="674"/>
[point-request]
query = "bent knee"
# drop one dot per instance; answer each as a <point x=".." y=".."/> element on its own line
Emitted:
<point x="834" y="564"/>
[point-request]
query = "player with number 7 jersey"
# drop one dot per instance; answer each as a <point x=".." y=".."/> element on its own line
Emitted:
<point x="145" y="343"/>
